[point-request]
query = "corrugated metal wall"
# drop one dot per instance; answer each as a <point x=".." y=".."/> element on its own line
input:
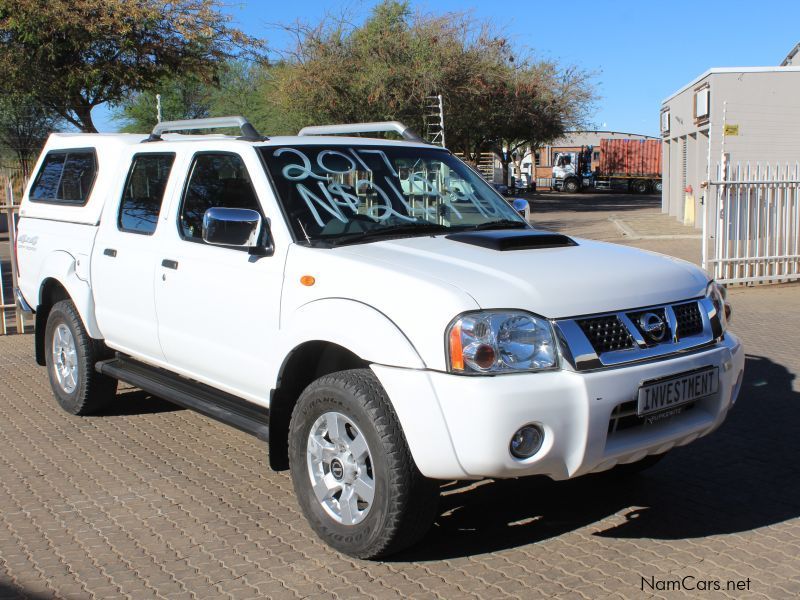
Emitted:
<point x="630" y="157"/>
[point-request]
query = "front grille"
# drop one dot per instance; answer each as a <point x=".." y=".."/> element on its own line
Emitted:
<point x="651" y="339"/>
<point x="606" y="334"/>
<point x="688" y="318"/>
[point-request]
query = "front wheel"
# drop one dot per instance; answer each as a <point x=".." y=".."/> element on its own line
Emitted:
<point x="571" y="186"/>
<point x="353" y="473"/>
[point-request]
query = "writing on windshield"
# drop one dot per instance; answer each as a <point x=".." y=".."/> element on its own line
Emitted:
<point x="342" y="189"/>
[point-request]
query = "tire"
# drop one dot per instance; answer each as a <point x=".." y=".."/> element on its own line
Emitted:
<point x="70" y="356"/>
<point x="640" y="186"/>
<point x="658" y="187"/>
<point x="571" y="186"/>
<point x="632" y="469"/>
<point x="344" y="438"/>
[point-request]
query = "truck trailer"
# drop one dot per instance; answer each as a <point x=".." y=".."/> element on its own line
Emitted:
<point x="622" y="165"/>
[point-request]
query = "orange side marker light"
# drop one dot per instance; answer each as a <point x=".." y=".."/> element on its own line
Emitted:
<point x="308" y="280"/>
<point x="456" y="349"/>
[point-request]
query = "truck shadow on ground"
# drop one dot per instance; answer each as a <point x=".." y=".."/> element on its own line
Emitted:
<point x="744" y="476"/>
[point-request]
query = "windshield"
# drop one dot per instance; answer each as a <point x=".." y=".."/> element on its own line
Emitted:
<point x="344" y="194"/>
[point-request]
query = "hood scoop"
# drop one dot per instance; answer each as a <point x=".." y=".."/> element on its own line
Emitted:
<point x="513" y="239"/>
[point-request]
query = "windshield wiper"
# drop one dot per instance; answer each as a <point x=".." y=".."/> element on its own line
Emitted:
<point x="502" y="224"/>
<point x="379" y="232"/>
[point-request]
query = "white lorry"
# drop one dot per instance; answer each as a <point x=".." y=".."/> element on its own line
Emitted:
<point x="378" y="335"/>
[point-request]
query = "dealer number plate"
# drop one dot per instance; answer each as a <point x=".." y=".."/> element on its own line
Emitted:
<point x="665" y="394"/>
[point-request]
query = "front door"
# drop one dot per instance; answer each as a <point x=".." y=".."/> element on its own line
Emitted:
<point x="218" y="306"/>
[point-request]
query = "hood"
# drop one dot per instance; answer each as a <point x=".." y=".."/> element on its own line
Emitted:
<point x="555" y="282"/>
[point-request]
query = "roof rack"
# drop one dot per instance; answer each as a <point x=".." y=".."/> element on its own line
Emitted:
<point x="406" y="132"/>
<point x="249" y="132"/>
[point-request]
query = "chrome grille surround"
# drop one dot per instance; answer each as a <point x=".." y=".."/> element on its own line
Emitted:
<point x="581" y="354"/>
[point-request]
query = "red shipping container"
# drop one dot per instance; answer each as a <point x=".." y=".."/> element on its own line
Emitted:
<point x="630" y="158"/>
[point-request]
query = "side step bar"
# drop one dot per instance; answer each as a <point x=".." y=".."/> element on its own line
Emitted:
<point x="226" y="408"/>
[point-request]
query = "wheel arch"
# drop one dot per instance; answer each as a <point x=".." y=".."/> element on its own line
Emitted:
<point x="329" y="335"/>
<point x="305" y="363"/>
<point x="60" y="281"/>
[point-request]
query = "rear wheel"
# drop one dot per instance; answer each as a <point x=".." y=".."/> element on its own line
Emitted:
<point x="70" y="355"/>
<point x="353" y="473"/>
<point x="640" y="186"/>
<point x="658" y="187"/>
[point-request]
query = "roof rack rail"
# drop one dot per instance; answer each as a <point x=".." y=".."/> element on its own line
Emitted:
<point x="406" y="132"/>
<point x="249" y="132"/>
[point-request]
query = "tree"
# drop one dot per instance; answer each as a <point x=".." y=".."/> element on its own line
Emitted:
<point x="72" y="55"/>
<point x="534" y="104"/>
<point x="240" y="88"/>
<point x="181" y="98"/>
<point x="24" y="127"/>
<point x="496" y="97"/>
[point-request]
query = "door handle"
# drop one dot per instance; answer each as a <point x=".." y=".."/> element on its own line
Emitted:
<point x="110" y="252"/>
<point x="169" y="264"/>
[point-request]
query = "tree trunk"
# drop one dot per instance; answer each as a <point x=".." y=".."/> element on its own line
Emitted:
<point x="518" y="165"/>
<point x="83" y="114"/>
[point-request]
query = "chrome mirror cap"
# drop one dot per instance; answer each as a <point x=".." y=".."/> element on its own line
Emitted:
<point x="238" y="227"/>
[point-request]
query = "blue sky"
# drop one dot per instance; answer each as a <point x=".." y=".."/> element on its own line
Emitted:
<point x="641" y="51"/>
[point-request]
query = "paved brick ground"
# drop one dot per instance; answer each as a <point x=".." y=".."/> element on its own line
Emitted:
<point x="150" y="501"/>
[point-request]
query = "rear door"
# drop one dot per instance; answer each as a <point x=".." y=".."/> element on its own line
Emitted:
<point x="125" y="255"/>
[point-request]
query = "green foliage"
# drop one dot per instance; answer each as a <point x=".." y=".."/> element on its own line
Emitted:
<point x="241" y="88"/>
<point x="496" y="98"/>
<point x="24" y="127"/>
<point x="72" y="55"/>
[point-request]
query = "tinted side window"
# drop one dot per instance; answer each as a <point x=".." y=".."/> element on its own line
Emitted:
<point x="215" y="180"/>
<point x="66" y="177"/>
<point x="144" y="192"/>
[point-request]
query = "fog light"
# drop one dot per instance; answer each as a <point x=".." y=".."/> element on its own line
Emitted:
<point x="526" y="441"/>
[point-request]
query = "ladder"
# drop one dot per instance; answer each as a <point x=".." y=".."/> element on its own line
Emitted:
<point x="434" y="120"/>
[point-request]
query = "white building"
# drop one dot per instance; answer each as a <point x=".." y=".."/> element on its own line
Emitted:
<point x="734" y="115"/>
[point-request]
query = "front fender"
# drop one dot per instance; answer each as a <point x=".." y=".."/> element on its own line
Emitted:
<point x="356" y="326"/>
<point x="62" y="267"/>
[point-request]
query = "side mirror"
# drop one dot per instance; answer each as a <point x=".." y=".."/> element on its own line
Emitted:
<point x="238" y="227"/>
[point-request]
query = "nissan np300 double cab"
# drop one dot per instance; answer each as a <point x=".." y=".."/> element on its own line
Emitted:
<point x="372" y="309"/>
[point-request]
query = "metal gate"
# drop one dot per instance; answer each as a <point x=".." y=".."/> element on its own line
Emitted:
<point x="751" y="224"/>
<point x="12" y="320"/>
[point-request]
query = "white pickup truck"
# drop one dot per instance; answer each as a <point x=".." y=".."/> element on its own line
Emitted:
<point x="372" y="309"/>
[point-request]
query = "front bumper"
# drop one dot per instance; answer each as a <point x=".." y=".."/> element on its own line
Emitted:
<point x="459" y="427"/>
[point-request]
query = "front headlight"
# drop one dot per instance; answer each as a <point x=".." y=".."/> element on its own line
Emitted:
<point x="718" y="296"/>
<point x="490" y="342"/>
